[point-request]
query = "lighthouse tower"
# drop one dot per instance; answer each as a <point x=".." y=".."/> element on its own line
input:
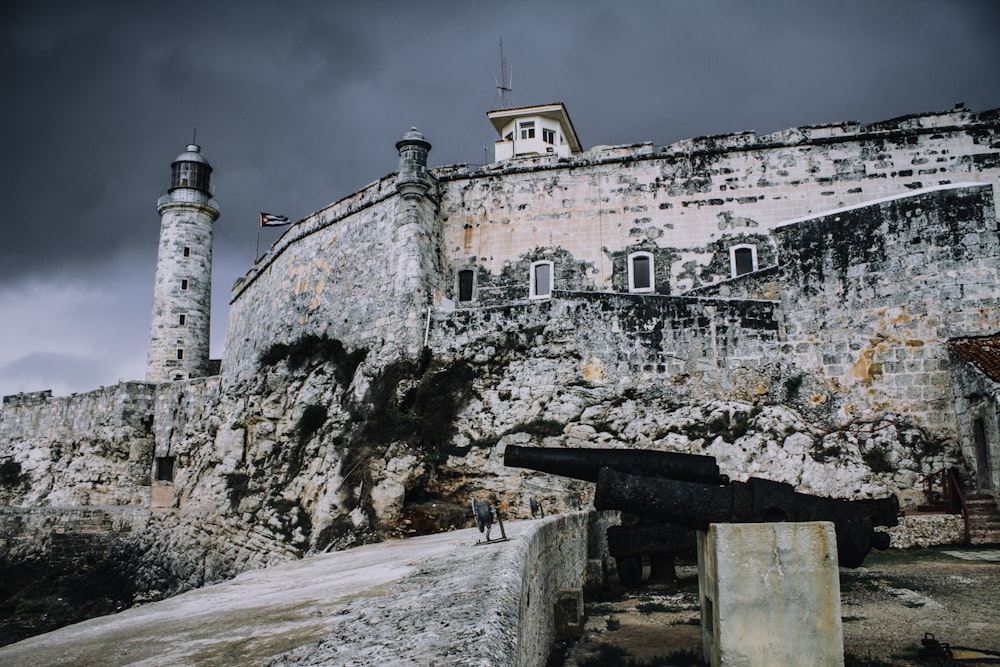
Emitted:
<point x="179" y="330"/>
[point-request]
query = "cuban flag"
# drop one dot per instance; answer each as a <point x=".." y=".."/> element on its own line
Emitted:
<point x="271" y="220"/>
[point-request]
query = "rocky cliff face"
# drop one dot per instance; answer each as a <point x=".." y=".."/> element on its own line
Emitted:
<point x="322" y="449"/>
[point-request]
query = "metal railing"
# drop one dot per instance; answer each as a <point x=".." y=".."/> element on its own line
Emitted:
<point x="943" y="493"/>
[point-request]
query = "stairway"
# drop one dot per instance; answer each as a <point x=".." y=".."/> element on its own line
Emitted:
<point x="984" y="519"/>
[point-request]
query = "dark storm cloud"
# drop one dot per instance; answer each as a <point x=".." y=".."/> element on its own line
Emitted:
<point x="299" y="104"/>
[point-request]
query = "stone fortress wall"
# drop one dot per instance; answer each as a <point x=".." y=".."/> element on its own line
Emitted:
<point x="687" y="204"/>
<point x="843" y="327"/>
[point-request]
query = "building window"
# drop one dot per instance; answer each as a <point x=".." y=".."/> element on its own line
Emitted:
<point x="640" y="272"/>
<point x="466" y="284"/>
<point x="742" y="259"/>
<point x="184" y="283"/>
<point x="182" y="320"/>
<point x="528" y="129"/>
<point x="163" y="469"/>
<point x="187" y="251"/>
<point x="180" y="354"/>
<point x="541" y="280"/>
<point x="548" y="136"/>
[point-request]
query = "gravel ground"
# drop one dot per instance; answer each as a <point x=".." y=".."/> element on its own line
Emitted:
<point x="887" y="606"/>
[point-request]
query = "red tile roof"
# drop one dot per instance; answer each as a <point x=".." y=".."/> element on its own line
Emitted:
<point x="983" y="353"/>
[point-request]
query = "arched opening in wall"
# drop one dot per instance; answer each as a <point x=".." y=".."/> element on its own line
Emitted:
<point x="466" y="285"/>
<point x="541" y="280"/>
<point x="742" y="259"/>
<point x="640" y="272"/>
<point x="163" y="469"/>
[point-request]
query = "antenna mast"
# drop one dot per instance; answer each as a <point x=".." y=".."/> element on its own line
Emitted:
<point x="504" y="85"/>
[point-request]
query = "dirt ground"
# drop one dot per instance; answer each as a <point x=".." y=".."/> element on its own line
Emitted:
<point x="887" y="606"/>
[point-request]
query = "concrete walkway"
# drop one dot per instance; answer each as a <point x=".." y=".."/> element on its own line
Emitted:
<point x="432" y="600"/>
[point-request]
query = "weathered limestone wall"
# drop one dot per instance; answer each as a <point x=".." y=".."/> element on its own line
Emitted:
<point x="689" y="202"/>
<point x="362" y="270"/>
<point x="338" y="272"/>
<point x="868" y="313"/>
<point x="554" y="559"/>
<point x="709" y="347"/>
<point x="93" y="448"/>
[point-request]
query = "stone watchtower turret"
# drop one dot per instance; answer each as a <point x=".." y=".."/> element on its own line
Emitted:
<point x="179" y="330"/>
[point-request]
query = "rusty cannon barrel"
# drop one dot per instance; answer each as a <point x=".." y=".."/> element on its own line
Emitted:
<point x="584" y="463"/>
<point x="696" y="505"/>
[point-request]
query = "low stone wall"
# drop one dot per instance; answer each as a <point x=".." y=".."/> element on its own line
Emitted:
<point x="554" y="558"/>
<point x="29" y="532"/>
<point x="926" y="530"/>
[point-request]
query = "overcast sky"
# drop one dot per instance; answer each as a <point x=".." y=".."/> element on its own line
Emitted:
<point x="298" y="104"/>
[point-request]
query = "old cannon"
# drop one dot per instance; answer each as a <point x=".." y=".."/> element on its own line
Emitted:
<point x="688" y="490"/>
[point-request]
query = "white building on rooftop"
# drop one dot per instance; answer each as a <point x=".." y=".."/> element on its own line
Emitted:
<point x="536" y="130"/>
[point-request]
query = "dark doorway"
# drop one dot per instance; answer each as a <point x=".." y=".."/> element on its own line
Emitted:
<point x="164" y="469"/>
<point x="465" y="282"/>
<point x="982" y="454"/>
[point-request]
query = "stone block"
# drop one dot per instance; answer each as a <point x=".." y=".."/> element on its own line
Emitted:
<point x="770" y="594"/>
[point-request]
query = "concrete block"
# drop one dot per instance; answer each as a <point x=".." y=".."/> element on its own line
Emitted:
<point x="770" y="594"/>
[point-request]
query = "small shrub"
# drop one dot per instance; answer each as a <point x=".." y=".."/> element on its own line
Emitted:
<point x="311" y="347"/>
<point x="542" y="428"/>
<point x="613" y="624"/>
<point x="484" y="443"/>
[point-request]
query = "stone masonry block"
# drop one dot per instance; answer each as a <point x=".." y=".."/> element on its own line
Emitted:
<point x="770" y="594"/>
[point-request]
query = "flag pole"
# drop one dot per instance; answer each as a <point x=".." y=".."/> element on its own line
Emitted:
<point x="256" y="252"/>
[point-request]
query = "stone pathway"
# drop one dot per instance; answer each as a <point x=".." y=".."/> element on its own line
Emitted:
<point x="401" y="602"/>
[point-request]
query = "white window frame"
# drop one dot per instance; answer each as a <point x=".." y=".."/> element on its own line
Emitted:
<point x="631" y="274"/>
<point x="732" y="258"/>
<point x="527" y="128"/>
<point x="532" y="292"/>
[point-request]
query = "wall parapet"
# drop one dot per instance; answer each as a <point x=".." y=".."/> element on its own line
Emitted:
<point x="371" y="195"/>
<point x="957" y="120"/>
